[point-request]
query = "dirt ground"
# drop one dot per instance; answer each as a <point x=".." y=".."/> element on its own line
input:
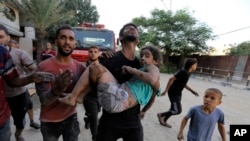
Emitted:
<point x="235" y="105"/>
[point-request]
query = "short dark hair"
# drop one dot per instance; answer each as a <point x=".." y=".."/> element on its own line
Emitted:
<point x="62" y="28"/>
<point x="157" y="56"/>
<point x="2" y="27"/>
<point x="189" y="62"/>
<point x="215" y="90"/>
<point x="94" y="47"/>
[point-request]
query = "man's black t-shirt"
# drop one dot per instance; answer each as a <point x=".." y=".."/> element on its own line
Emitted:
<point x="128" y="118"/>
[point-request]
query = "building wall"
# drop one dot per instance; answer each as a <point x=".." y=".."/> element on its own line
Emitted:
<point x="11" y="20"/>
<point x="223" y="64"/>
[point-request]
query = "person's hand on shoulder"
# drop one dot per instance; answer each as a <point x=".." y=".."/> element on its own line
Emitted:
<point x="107" y="54"/>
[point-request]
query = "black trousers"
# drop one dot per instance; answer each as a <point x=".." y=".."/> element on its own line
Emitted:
<point x="92" y="109"/>
<point x="175" y="107"/>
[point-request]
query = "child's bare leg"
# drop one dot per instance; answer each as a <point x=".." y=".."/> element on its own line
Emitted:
<point x="82" y="95"/>
<point x="96" y="71"/>
<point x="82" y="87"/>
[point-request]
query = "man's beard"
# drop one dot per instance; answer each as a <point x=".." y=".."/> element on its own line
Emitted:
<point x="129" y="38"/>
<point x="60" y="51"/>
<point x="92" y="60"/>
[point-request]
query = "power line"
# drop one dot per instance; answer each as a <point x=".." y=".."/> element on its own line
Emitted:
<point x="232" y="31"/>
<point x="164" y="4"/>
<point x="170" y="4"/>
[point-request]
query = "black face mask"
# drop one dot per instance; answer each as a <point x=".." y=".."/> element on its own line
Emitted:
<point x="129" y="38"/>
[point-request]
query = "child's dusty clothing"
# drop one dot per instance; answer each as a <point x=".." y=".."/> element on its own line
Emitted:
<point x="112" y="97"/>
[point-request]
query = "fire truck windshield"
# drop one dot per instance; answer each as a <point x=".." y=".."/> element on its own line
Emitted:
<point x="104" y="39"/>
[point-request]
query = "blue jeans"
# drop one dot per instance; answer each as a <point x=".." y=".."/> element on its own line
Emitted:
<point x="5" y="131"/>
<point x="69" y="129"/>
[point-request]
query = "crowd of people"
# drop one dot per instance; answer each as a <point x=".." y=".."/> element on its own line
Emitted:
<point x="123" y="85"/>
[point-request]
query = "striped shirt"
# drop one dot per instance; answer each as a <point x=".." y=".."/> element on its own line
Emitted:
<point x="7" y="72"/>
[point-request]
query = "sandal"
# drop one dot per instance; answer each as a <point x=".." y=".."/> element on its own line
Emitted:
<point x="35" y="125"/>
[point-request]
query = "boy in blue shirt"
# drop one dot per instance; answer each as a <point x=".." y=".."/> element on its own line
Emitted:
<point x="204" y="118"/>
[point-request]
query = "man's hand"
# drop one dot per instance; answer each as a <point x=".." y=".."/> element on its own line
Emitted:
<point x="63" y="80"/>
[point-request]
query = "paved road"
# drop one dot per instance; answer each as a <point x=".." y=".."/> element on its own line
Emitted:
<point x="235" y="106"/>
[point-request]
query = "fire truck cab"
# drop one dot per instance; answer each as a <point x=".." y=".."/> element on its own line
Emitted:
<point x="91" y="34"/>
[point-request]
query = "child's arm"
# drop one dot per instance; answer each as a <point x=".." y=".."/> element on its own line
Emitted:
<point x="191" y="90"/>
<point x="148" y="106"/>
<point x="150" y="76"/>
<point x="170" y="82"/>
<point x="180" y="133"/>
<point x="222" y="131"/>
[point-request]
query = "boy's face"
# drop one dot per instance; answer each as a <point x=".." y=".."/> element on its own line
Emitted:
<point x="211" y="99"/>
<point x="146" y="57"/>
<point x="94" y="54"/>
<point x="4" y="38"/>
<point x="194" y="66"/>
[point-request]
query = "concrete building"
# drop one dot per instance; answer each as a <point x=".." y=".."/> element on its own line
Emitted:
<point x="10" y="18"/>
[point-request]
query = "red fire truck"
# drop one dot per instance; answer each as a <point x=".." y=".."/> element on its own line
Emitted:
<point x="91" y="34"/>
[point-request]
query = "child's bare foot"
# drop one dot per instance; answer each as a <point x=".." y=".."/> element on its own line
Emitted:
<point x="68" y="100"/>
<point x="160" y="118"/>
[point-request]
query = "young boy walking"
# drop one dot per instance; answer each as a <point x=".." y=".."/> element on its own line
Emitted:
<point x="204" y="118"/>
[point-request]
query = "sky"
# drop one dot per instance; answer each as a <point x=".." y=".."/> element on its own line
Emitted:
<point x="222" y="16"/>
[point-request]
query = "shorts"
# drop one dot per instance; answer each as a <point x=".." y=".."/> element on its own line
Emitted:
<point x="18" y="106"/>
<point x="29" y="101"/>
<point x="112" y="97"/>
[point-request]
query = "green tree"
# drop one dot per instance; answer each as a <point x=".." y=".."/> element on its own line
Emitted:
<point x="84" y="12"/>
<point x="243" y="49"/>
<point x="176" y="33"/>
<point x="41" y="14"/>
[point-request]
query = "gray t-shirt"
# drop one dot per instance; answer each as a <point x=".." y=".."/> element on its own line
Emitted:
<point x="202" y="125"/>
<point x="21" y="59"/>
